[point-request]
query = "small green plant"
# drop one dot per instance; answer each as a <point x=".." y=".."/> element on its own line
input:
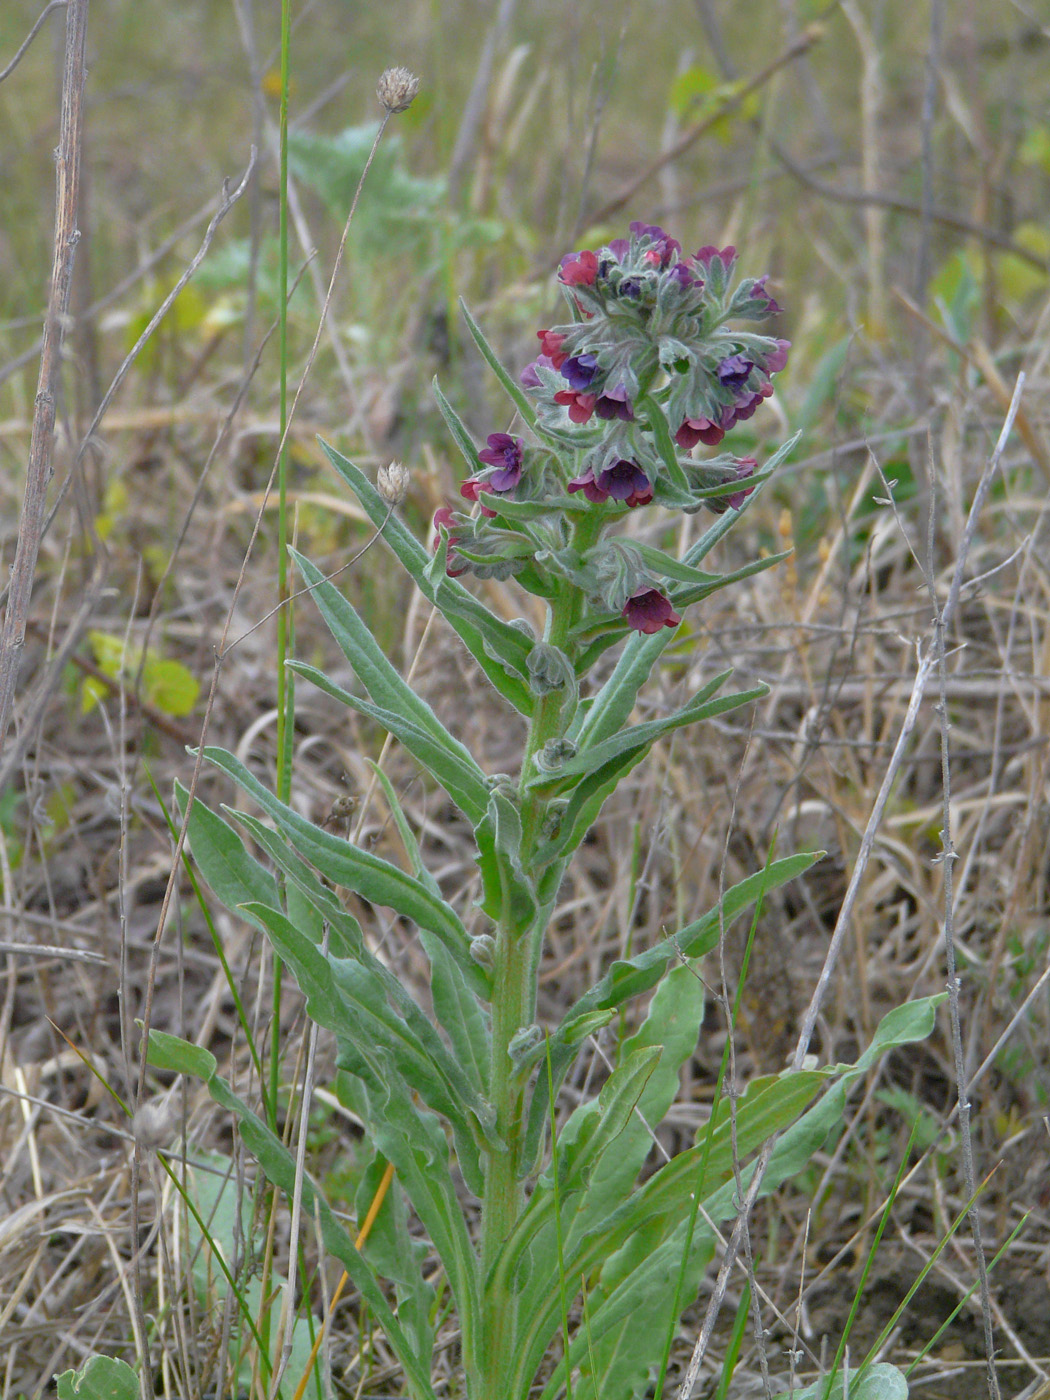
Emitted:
<point x="568" y="1260"/>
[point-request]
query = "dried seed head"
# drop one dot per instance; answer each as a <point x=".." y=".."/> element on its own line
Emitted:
<point x="393" y="482"/>
<point x="397" y="88"/>
<point x="154" y="1124"/>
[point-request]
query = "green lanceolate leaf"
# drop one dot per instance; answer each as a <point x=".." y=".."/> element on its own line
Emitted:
<point x="654" y="416"/>
<point x="462" y="779"/>
<point x="661" y="1205"/>
<point x="456" y="427"/>
<point x="602" y="767"/>
<point x="631" y="977"/>
<point x="514" y="391"/>
<point x="414" y="1141"/>
<point x="609" y="710"/>
<point x="594" y="757"/>
<point x="348" y="998"/>
<point x="499" y="649"/>
<point x="171" y="1053"/>
<point x="346" y="864"/>
<point x="235" y="876"/>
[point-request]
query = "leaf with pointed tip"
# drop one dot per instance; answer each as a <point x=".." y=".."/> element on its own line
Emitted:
<point x="171" y="1053"/>
<point x="367" y="875"/>
<point x="514" y="391"/>
<point x="499" y="649"/>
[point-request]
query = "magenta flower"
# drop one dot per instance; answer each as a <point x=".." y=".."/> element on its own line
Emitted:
<point x="471" y="490"/>
<point x="579" y="269"/>
<point x="708" y="252"/>
<point x="759" y="291"/>
<point x="443" y="516"/>
<point x="622" y="481"/>
<point x="552" y="343"/>
<point x="505" y="454"/>
<point x="776" y="361"/>
<point x="649" y="610"/>
<point x="580" y="406"/>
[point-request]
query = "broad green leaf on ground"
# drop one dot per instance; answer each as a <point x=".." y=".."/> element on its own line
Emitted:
<point x="878" y="1382"/>
<point x="100" y="1378"/>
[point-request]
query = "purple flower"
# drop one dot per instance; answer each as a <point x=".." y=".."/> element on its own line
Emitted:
<point x="664" y="247"/>
<point x="744" y="468"/>
<point x="620" y="247"/>
<point x="706" y="255"/>
<point x="528" y="378"/>
<point x="733" y="371"/>
<point x="759" y="291"/>
<point x="695" y="430"/>
<point x="681" y="274"/>
<point x="579" y="370"/>
<point x="776" y="361"/>
<point x="503" y="453"/>
<point x="614" y="403"/>
<point x="622" y="481"/>
<point x="649" y="610"/>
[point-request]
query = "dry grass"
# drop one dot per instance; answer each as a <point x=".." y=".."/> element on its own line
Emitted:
<point x="93" y="1253"/>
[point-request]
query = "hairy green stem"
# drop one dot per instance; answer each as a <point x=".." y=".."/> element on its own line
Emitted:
<point x="513" y="1008"/>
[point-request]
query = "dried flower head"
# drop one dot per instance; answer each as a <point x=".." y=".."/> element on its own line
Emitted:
<point x="397" y="89"/>
<point x="392" y="483"/>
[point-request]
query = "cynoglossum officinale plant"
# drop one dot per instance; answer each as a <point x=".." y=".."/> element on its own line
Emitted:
<point x="567" y="1266"/>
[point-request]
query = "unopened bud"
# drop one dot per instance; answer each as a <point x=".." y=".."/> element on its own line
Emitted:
<point x="392" y="483"/>
<point x="397" y="89"/>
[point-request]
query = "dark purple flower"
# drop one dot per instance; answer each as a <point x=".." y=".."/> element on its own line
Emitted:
<point x="681" y="274"/>
<point x="579" y="269"/>
<point x="579" y="370"/>
<point x="528" y="378"/>
<point x="503" y="453"/>
<point x="443" y="516"/>
<point x="744" y="468"/>
<point x="580" y="406"/>
<point x="695" y="430"/>
<point x="621" y="481"/>
<point x="614" y="403"/>
<point x="664" y="247"/>
<point x="649" y="610"/>
<point x="552" y="343"/>
<point x="733" y="371"/>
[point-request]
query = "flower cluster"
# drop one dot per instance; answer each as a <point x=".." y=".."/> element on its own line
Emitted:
<point x="664" y="353"/>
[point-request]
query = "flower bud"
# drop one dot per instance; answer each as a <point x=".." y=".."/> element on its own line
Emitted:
<point x="397" y="88"/>
<point x="392" y="483"/>
<point x="483" y="951"/>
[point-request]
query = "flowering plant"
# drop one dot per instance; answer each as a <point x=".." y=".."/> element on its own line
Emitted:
<point x="568" y="1267"/>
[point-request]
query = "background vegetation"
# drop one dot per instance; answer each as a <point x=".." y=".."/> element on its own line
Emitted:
<point x="890" y="165"/>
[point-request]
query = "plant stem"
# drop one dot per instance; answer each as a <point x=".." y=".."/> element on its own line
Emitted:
<point x="513" y="1007"/>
